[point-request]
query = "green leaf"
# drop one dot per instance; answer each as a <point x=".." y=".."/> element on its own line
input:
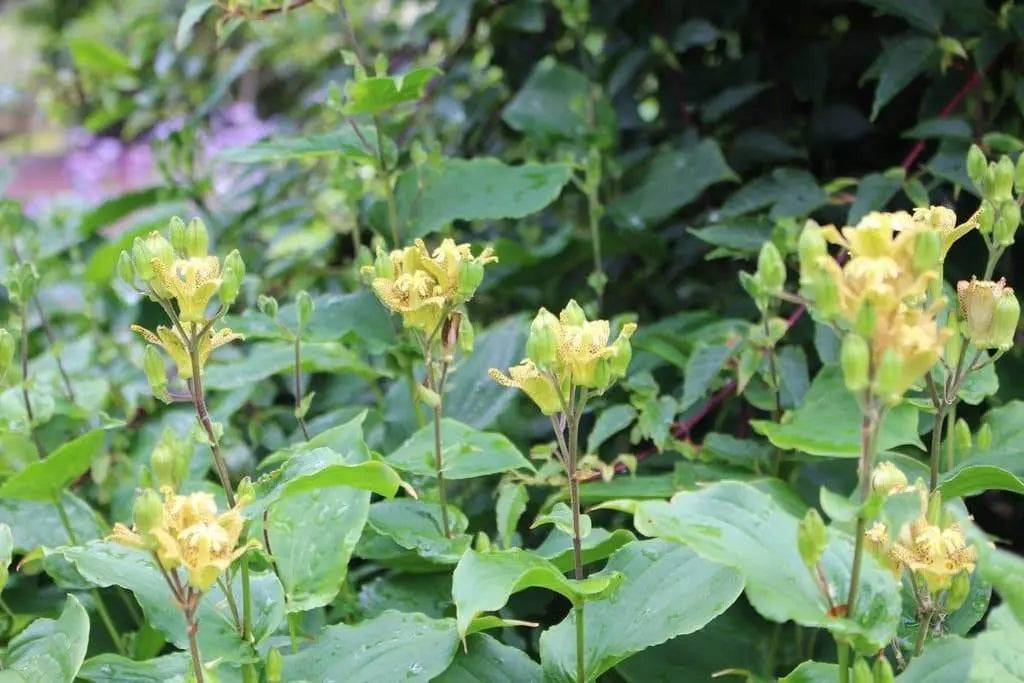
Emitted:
<point x="466" y="452"/>
<point x="553" y="104"/>
<point x="827" y="402"/>
<point x="98" y="58"/>
<point x="50" y="650"/>
<point x="923" y="14"/>
<point x="702" y="369"/>
<point x="812" y="672"/>
<point x="37" y="523"/>
<point x="111" y="668"/>
<point x="610" y="421"/>
<point x="946" y="660"/>
<point x="105" y="563"/>
<point x="483" y="582"/>
<point x="970" y="480"/>
<point x="1005" y="571"/>
<point x="471" y="396"/>
<point x="900" y="62"/>
<point x="791" y="192"/>
<point x="873" y="192"/>
<point x="392" y="647"/>
<point x="408" y="534"/>
<point x="193" y="14"/>
<point x="729" y="99"/>
<point x="379" y="93"/>
<point x="743" y="236"/>
<point x="430" y="594"/>
<point x="955" y="127"/>
<point x="342" y="143"/>
<point x="265" y="359"/>
<point x="599" y="544"/>
<point x="674" y="178"/>
<point x="511" y="505"/>
<point x="736" y="524"/>
<point x="482" y="188"/>
<point x="639" y="487"/>
<point x="45" y="479"/>
<point x="486" y="659"/>
<point x="1007" y="425"/>
<point x="561" y="516"/>
<point x="650" y="599"/>
<point x="993" y="655"/>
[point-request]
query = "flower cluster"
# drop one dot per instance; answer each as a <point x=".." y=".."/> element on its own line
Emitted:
<point x="565" y="352"/>
<point x="425" y="287"/>
<point x="989" y="312"/>
<point x="186" y="531"/>
<point x="878" y="298"/>
<point x="184" y="278"/>
<point x="932" y="547"/>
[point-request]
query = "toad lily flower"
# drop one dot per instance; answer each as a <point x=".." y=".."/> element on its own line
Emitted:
<point x="989" y="312"/>
<point x="191" y="282"/>
<point x="187" y="532"/>
<point x="171" y="341"/>
<point x="535" y="384"/>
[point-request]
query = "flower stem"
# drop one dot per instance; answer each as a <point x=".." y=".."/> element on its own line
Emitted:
<point x="298" y="388"/>
<point x="24" y="382"/>
<point x="574" y="504"/>
<point x="936" y="447"/>
<point x="193" y="643"/>
<point x="922" y="632"/>
<point x="950" y="424"/>
<point x="438" y="388"/>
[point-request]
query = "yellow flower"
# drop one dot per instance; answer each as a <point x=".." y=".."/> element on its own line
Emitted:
<point x="171" y="341"/>
<point x="534" y="384"/>
<point x="943" y="221"/>
<point x="989" y="312"/>
<point x="191" y="282"/>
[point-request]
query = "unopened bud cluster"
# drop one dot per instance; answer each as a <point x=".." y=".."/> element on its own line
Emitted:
<point x="566" y="352"/>
<point x="998" y="181"/>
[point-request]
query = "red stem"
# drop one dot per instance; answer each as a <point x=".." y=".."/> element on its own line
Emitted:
<point x="953" y="103"/>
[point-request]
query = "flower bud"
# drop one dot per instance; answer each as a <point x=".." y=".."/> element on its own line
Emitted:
<point x="622" y="354"/>
<point x="862" y="671"/>
<point x="267" y="306"/>
<point x="811" y="538"/>
<point x="6" y="350"/>
<point x="170" y="459"/>
<point x="177" y="230"/>
<point x="157" y="247"/>
<point x="275" y="666"/>
<point x="303" y="308"/>
<point x="156" y="373"/>
<point x="825" y="294"/>
<point x="811" y="245"/>
<point x="886" y="478"/>
<point x="147" y="511"/>
<point x="959" y="589"/>
<point x="125" y="268"/>
<point x="934" y="509"/>
<point x="1004" y="323"/>
<point x="197" y="239"/>
<point x="573" y="314"/>
<point x="989" y="312"/>
<point x="231" y="278"/>
<point x="889" y="376"/>
<point x="977" y="164"/>
<point x="984" y="436"/>
<point x="466" y="334"/>
<point x="987" y="217"/>
<point x="855" y="357"/>
<point x="542" y="344"/>
<point x="1002" y="189"/>
<point x="882" y="671"/>
<point x="1006" y="223"/>
<point x="867" y="317"/>
<point x="951" y="349"/>
<point x="927" y="251"/>
<point x="961" y="435"/>
<point x="468" y="278"/>
<point x="771" y="269"/>
<point x="140" y="257"/>
<point x="246" y="492"/>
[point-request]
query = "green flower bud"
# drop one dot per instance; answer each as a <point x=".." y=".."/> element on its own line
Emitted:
<point x="825" y="295"/>
<point x="125" y="268"/>
<point x="988" y="189"/>
<point x="889" y="376"/>
<point x="619" y="362"/>
<point x="156" y="373"/>
<point x="466" y="334"/>
<point x="987" y="217"/>
<point x="231" y="278"/>
<point x="275" y="666"/>
<point x="197" y="239"/>
<point x="959" y="589"/>
<point x="267" y="306"/>
<point x="1002" y="189"/>
<point x="855" y="358"/>
<point x="934" y="509"/>
<point x="927" y="251"/>
<point x="962" y="435"/>
<point x="811" y="538"/>
<point x="573" y="314"/>
<point x="6" y="350"/>
<point x="867" y="317"/>
<point x="303" y="308"/>
<point x="862" y="671"/>
<point x="1004" y="322"/>
<point x="602" y="376"/>
<point x="882" y="671"/>
<point x="1006" y="223"/>
<point x="771" y="269"/>
<point x="468" y="278"/>
<point x="246" y="491"/>
<point x="147" y="511"/>
<point x="21" y="282"/>
<point x="951" y="350"/>
<point x="886" y="478"/>
<point x="542" y="344"/>
<point x="984" y="436"/>
<point x="170" y="459"/>
<point x="160" y="249"/>
<point x="977" y="164"/>
<point x="177" y="230"/>
<point x="140" y="257"/>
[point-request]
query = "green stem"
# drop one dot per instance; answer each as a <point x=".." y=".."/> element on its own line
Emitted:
<point x="922" y="632"/>
<point x="437" y="385"/>
<point x="24" y="382"/>
<point x="950" y="424"/>
<point x="574" y="416"/>
<point x="843" y="650"/>
<point x="994" y="254"/>
<point x="193" y="643"/>
<point x="389" y="188"/>
<point x="940" y="415"/>
<point x="594" y="219"/>
<point x="581" y="664"/>
<point x="410" y="381"/>
<point x="298" y="388"/>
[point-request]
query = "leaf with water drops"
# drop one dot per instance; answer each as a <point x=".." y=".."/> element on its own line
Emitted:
<point x="50" y="650"/>
<point x="466" y="452"/>
<point x="486" y="659"/>
<point x="111" y="668"/>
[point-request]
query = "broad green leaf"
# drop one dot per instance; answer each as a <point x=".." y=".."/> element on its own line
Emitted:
<point x="484" y="581"/>
<point x="193" y="14"/>
<point x="610" y="421"/>
<point x="873" y="193"/>
<point x="957" y="623"/>
<point x="694" y="33"/>
<point x="50" y="650"/>
<point x="900" y="62"/>
<point x="736" y="524"/>
<point x="674" y="178"/>
<point x="561" y="516"/>
<point x="702" y="369"/>
<point x="640" y="487"/>
<point x="993" y="655"/>
<point x="430" y="594"/>
<point x="466" y="452"/>
<point x="486" y="659"/>
<point x="553" y="102"/>
<point x="482" y="188"/>
<point x="375" y="94"/>
<point x="1004" y="451"/>
<point x="740" y="235"/>
<point x="650" y="598"/>
<point x="408" y="534"/>
<point x="98" y="58"/>
<point x="511" y="504"/>
<point x="923" y="14"/>
<point x="947" y="660"/>
<point x="790" y="192"/>
<point x="111" y="668"/>
<point x="392" y="647"/>
<point x="827" y="402"/>
<point x="45" y="479"/>
<point x="729" y="99"/>
<point x="598" y="544"/>
<point x="812" y="672"/>
<point x="266" y="359"/>
<point x="970" y="480"/>
<point x="1005" y="571"/>
<point x="37" y="523"/>
<point x="942" y="127"/>
<point x="344" y="142"/>
<point x="105" y="563"/>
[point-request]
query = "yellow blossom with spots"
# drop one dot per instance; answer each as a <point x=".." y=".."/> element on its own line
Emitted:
<point x="191" y="283"/>
<point x="170" y="340"/>
<point x="535" y="384"/>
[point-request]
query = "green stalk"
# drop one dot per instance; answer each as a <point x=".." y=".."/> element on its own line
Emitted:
<point x="574" y="416"/>
<point x="950" y="424"/>
<point x="936" y="447"/>
<point x="298" y="388"/>
<point x="101" y="608"/>
<point x="438" y="388"/>
<point x="843" y="649"/>
<point x="922" y="632"/>
<point x="24" y="381"/>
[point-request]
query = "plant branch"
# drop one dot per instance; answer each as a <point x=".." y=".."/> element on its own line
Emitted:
<point x="947" y="109"/>
<point x="24" y="382"/>
<point x="298" y="389"/>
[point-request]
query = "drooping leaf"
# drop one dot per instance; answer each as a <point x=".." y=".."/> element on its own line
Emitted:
<point x="50" y="650"/>
<point x="375" y="94"/>
<point x="344" y="142"/>
<point x="466" y="452"/>
<point x="192" y="15"/>
<point x="485" y="659"/>
<point x="650" y="599"/>
<point x="484" y="581"/>
<point x="598" y="544"/>
<point x="900" y="62"/>
<point x="923" y="14"/>
<point x="873" y="192"/>
<point x="408" y="534"/>
<point x="111" y="668"/>
<point x="391" y="647"/>
<point x="970" y="480"/>
<point x="510" y="506"/>
<point x="703" y="367"/>
<point x="609" y="422"/>
<point x="44" y="480"/>
<point x="561" y="516"/>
